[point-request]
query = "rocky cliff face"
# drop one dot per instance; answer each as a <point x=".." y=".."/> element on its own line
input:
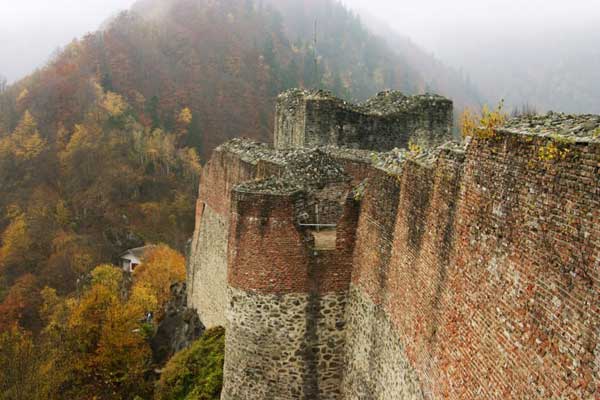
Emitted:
<point x="179" y="328"/>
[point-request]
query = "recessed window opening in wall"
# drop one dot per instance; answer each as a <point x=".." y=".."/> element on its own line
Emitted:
<point x="324" y="238"/>
<point x="323" y="231"/>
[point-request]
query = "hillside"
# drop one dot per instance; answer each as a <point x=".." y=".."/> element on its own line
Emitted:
<point x="101" y="149"/>
<point x="216" y="57"/>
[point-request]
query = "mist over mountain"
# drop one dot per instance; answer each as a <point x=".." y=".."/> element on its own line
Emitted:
<point x="538" y="53"/>
<point x="216" y="57"/>
<point x="449" y="81"/>
<point x="543" y="53"/>
<point x="554" y="70"/>
<point x="31" y="31"/>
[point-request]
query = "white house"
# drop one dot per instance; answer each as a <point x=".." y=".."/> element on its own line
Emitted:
<point x="132" y="258"/>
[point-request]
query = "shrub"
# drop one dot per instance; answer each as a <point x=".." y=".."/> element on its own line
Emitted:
<point x="484" y="125"/>
<point x="195" y="373"/>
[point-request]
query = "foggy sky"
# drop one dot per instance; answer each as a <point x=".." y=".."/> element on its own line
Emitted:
<point x="30" y="30"/>
<point x="435" y="23"/>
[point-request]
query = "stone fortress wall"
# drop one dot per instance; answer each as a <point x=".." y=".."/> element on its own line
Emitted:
<point x="461" y="272"/>
<point x="207" y="263"/>
<point x="389" y="120"/>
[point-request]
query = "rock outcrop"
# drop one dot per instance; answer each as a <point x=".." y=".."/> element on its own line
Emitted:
<point x="179" y="328"/>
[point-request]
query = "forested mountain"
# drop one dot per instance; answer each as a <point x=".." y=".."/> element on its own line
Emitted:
<point x="100" y="151"/>
<point x="215" y="57"/>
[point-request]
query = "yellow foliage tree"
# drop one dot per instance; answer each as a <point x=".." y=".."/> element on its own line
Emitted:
<point x="143" y="299"/>
<point x="21" y="367"/>
<point x="108" y="276"/>
<point x="63" y="215"/>
<point x="15" y="243"/>
<point x="114" y="104"/>
<point x="163" y="267"/>
<point x="185" y="116"/>
<point x="122" y="353"/>
<point x="190" y="163"/>
<point x="184" y="120"/>
<point x="79" y="139"/>
<point x="27" y="143"/>
<point x="22" y="98"/>
<point x="82" y="156"/>
<point x="98" y="338"/>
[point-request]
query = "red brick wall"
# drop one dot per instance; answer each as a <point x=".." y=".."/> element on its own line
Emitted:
<point x="491" y="272"/>
<point x="207" y="261"/>
<point x="270" y="254"/>
<point x="357" y="170"/>
<point x="375" y="234"/>
<point x="219" y="176"/>
<point x="333" y="269"/>
<point x="286" y="301"/>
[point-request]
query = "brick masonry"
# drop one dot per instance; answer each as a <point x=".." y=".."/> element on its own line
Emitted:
<point x="463" y="273"/>
<point x="490" y="278"/>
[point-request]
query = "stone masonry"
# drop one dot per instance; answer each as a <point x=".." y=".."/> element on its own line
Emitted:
<point x="458" y="271"/>
<point x="387" y="121"/>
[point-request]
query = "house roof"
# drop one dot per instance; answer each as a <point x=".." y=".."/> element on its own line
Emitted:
<point x="139" y="252"/>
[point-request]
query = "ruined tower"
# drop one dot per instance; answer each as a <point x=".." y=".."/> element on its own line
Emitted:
<point x="389" y="120"/>
<point x="290" y="253"/>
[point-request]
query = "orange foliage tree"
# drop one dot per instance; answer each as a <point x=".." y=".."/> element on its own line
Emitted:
<point x="20" y="304"/>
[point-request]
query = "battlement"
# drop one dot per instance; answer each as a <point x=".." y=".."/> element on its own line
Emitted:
<point x="576" y="128"/>
<point x="461" y="271"/>
<point x="389" y="120"/>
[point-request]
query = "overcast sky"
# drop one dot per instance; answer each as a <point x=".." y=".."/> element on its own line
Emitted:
<point x="30" y="30"/>
<point x="434" y="24"/>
